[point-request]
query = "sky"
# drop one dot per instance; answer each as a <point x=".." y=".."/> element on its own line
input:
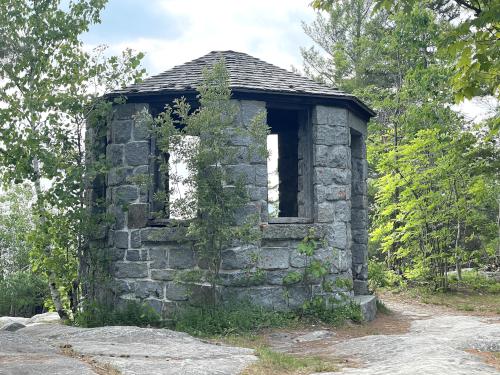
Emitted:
<point x="172" y="32"/>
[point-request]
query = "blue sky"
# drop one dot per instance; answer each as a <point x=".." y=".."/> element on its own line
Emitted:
<point x="172" y="32"/>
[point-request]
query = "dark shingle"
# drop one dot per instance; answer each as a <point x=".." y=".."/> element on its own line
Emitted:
<point x="246" y="73"/>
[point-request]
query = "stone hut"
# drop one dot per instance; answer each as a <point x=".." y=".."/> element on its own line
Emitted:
<point x="321" y="168"/>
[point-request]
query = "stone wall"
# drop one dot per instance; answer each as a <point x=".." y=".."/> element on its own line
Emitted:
<point x="157" y="264"/>
<point x="359" y="213"/>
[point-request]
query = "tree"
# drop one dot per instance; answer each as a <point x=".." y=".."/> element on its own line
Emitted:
<point x="424" y="159"/>
<point x="22" y="292"/>
<point x="472" y="43"/>
<point x="345" y="54"/>
<point x="49" y="88"/>
<point x="16" y="220"/>
<point x="445" y="208"/>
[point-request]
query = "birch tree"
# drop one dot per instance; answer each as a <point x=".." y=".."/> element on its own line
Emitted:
<point x="49" y="86"/>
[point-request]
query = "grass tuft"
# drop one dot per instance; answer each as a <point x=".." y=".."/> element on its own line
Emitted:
<point x="272" y="362"/>
<point x="382" y="308"/>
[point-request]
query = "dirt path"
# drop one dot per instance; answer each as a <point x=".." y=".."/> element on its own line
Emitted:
<point x="414" y="339"/>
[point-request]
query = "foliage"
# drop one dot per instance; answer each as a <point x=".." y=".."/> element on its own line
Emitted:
<point x="246" y="317"/>
<point x="276" y="362"/>
<point x="215" y="194"/>
<point x="229" y="318"/>
<point x="132" y="313"/>
<point x="474" y="280"/>
<point x="332" y="308"/>
<point x="379" y="276"/>
<point x="332" y="311"/>
<point x="293" y="277"/>
<point x="314" y="269"/>
<point x="472" y="41"/>
<point x="49" y="89"/>
<point x="22" y="293"/>
<point x="344" y="55"/>
<point x="433" y="177"/>
<point x="16" y="220"/>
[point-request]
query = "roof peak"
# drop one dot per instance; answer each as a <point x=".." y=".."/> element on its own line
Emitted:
<point x="246" y="74"/>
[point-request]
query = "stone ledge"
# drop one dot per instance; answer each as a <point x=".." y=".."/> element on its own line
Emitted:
<point x="368" y="304"/>
<point x="290" y="220"/>
<point x="291" y="231"/>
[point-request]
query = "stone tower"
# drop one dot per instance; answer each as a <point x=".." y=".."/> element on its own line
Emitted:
<point x="320" y="135"/>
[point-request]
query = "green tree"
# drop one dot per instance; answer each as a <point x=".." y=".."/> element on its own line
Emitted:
<point x="345" y="55"/>
<point x="426" y="168"/>
<point x="446" y="206"/>
<point x="472" y="42"/>
<point x="16" y="220"/>
<point x="22" y="292"/>
<point x="49" y="88"/>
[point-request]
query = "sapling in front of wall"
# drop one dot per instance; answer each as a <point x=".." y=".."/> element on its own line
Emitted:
<point x="208" y="194"/>
<point x="333" y="305"/>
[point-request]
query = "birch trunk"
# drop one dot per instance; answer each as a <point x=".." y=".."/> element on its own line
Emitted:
<point x="54" y="292"/>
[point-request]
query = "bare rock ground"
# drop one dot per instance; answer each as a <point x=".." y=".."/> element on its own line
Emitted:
<point x="414" y="339"/>
<point x="432" y="346"/>
<point x="61" y="350"/>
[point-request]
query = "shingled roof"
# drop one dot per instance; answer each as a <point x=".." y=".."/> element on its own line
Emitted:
<point x="246" y="74"/>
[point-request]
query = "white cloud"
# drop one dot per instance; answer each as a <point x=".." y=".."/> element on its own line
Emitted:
<point x="477" y="109"/>
<point x="270" y="30"/>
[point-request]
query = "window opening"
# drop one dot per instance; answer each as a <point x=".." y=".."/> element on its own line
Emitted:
<point x="180" y="182"/>
<point x="283" y="163"/>
<point x="272" y="176"/>
<point x="173" y="182"/>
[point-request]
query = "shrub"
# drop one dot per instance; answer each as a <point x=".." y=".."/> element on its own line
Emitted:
<point x="244" y="317"/>
<point x="231" y="318"/>
<point x="376" y="274"/>
<point x="22" y="293"/>
<point x="394" y="280"/>
<point x="332" y="312"/>
<point x="131" y="314"/>
<point x="379" y="276"/>
<point x="475" y="281"/>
